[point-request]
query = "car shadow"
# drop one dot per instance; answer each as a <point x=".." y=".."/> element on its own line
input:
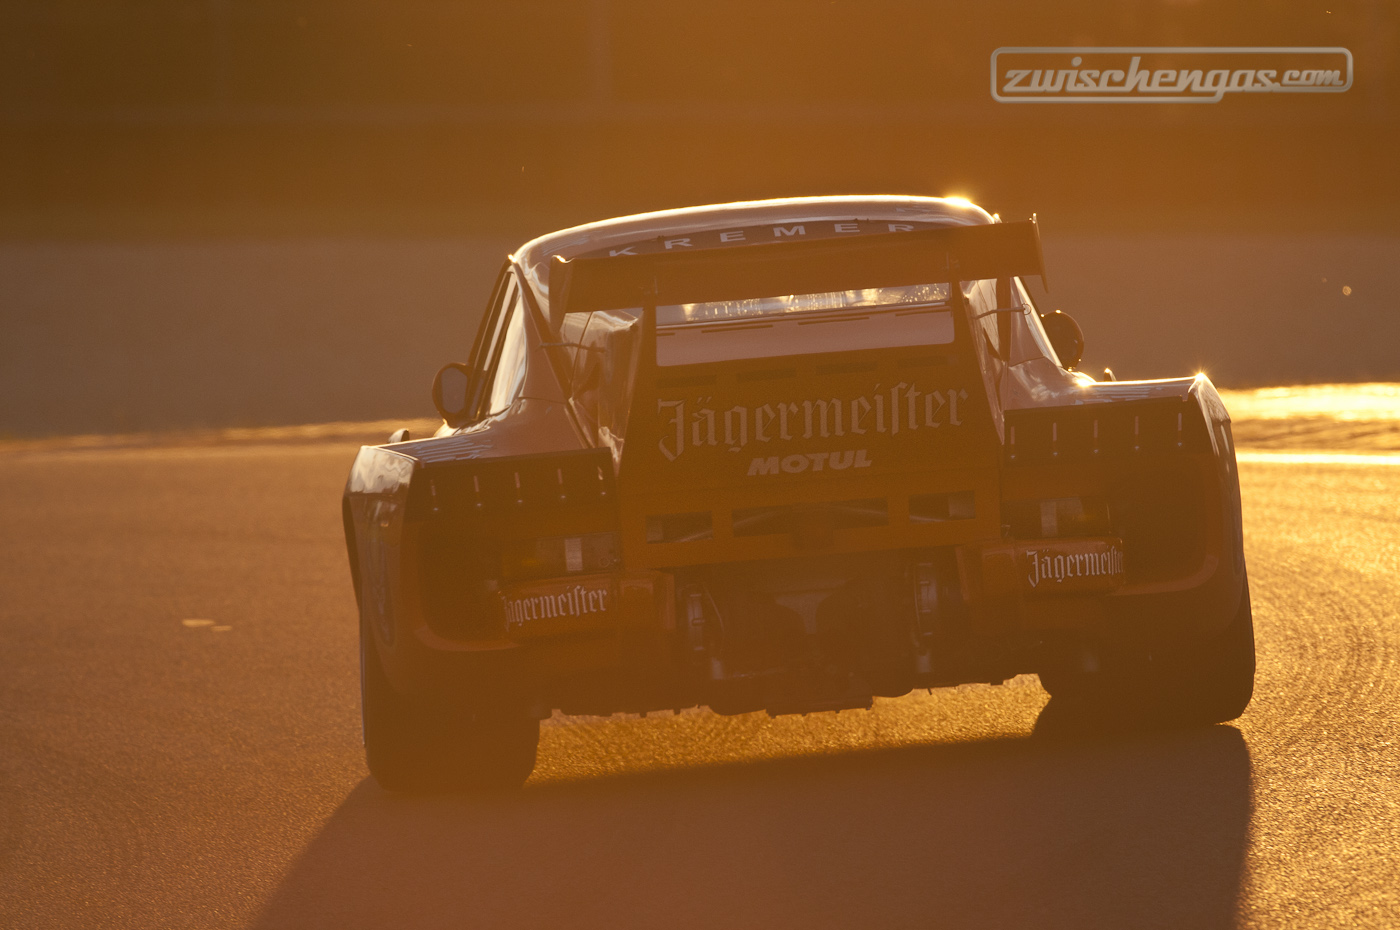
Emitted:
<point x="1073" y="827"/>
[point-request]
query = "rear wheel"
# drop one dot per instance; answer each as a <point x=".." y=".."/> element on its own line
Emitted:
<point x="414" y="746"/>
<point x="1210" y="683"/>
<point x="1213" y="683"/>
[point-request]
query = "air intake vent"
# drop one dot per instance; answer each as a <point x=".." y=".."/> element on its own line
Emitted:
<point x="940" y="508"/>
<point x="790" y="518"/>
<point x="680" y="527"/>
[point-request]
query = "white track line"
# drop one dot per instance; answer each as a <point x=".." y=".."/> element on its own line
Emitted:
<point x="1317" y="458"/>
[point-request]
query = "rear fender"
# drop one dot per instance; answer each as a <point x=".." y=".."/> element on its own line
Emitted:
<point x="1166" y="465"/>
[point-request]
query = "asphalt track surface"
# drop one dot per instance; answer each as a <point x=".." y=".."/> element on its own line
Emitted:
<point x="156" y="774"/>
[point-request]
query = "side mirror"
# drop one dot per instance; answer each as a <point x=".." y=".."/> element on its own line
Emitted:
<point x="450" y="387"/>
<point x="1066" y="338"/>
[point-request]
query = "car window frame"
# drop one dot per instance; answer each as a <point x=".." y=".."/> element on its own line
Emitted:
<point x="512" y="316"/>
<point x="487" y="342"/>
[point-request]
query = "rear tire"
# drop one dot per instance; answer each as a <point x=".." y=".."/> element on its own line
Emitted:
<point x="1215" y="682"/>
<point x="1209" y="683"/>
<point x="417" y="747"/>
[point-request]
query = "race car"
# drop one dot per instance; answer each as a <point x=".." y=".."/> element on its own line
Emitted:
<point x="785" y="456"/>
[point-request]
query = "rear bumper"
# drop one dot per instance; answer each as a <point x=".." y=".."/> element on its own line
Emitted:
<point x="547" y="631"/>
<point x="1078" y="587"/>
<point x="622" y="627"/>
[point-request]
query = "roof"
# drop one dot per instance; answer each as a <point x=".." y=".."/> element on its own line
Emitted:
<point x="534" y="256"/>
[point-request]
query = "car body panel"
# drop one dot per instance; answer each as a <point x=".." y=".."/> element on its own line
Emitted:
<point x="678" y="508"/>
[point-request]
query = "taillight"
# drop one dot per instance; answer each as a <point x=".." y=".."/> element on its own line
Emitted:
<point x="1057" y="517"/>
<point x="557" y="556"/>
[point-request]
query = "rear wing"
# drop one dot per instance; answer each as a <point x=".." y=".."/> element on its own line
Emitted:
<point x="925" y="256"/>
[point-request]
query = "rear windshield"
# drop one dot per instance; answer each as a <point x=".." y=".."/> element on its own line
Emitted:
<point x="871" y="298"/>
<point x="804" y="324"/>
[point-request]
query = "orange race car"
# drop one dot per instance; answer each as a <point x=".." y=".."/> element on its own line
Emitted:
<point x="785" y="455"/>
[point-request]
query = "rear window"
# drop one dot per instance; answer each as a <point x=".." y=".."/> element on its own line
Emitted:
<point x="871" y="298"/>
<point x="803" y="324"/>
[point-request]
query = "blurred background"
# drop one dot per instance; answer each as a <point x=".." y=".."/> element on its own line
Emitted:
<point x="245" y="212"/>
